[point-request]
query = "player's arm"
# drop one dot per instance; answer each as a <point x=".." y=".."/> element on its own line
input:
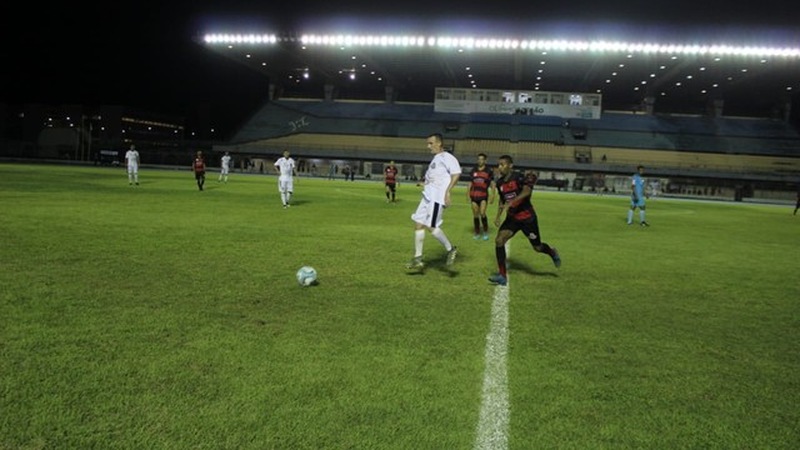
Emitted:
<point x="453" y="181"/>
<point x="492" y="191"/>
<point x="502" y="208"/>
<point x="634" y="197"/>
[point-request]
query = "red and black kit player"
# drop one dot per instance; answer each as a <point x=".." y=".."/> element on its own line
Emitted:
<point x="390" y="180"/>
<point x="478" y="195"/>
<point x="515" y="189"/>
<point x="199" y="168"/>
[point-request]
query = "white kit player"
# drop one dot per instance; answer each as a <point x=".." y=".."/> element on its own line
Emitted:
<point x="225" y="164"/>
<point x="442" y="174"/>
<point x="285" y="168"/>
<point x="132" y="157"/>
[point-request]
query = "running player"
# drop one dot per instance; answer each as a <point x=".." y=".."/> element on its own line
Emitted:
<point x="443" y="173"/>
<point x="515" y="190"/>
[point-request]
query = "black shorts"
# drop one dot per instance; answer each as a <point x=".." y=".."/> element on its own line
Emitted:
<point x="478" y="200"/>
<point x="391" y="186"/>
<point x="198" y="175"/>
<point x="530" y="228"/>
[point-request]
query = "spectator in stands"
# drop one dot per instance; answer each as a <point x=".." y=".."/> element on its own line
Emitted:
<point x="637" y="197"/>
<point x="515" y="190"/>
<point x="225" y="167"/>
<point x="442" y="174"/>
<point x="479" y="194"/>
<point x="199" y="168"/>
<point x="353" y="171"/>
<point x="285" y="168"/>
<point x="132" y="157"/>
<point x="331" y="171"/>
<point x="390" y="181"/>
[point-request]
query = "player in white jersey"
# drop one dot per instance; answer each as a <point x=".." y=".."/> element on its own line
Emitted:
<point x="284" y="166"/>
<point x="225" y="165"/>
<point x="132" y="157"/>
<point x="442" y="174"/>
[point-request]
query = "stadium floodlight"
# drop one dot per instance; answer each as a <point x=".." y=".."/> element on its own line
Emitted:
<point x="508" y="44"/>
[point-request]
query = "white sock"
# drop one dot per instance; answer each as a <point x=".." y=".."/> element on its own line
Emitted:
<point x="283" y="197"/>
<point x="440" y="236"/>
<point x="641" y="215"/>
<point x="630" y="215"/>
<point x="419" y="239"/>
<point x="288" y="197"/>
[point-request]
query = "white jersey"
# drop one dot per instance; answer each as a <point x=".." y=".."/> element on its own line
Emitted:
<point x="286" y="167"/>
<point x="226" y="162"/>
<point x="132" y="156"/>
<point x="438" y="176"/>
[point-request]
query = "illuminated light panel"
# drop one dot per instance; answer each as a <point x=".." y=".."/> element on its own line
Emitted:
<point x="505" y="44"/>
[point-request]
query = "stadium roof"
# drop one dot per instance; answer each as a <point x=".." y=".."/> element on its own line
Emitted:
<point x="752" y="80"/>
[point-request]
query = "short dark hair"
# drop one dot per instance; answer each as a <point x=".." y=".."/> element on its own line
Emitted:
<point x="507" y="158"/>
<point x="482" y="154"/>
<point x="437" y="136"/>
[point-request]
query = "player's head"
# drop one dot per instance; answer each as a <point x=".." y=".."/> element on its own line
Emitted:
<point x="435" y="143"/>
<point x="391" y="163"/>
<point x="286" y="153"/>
<point x="199" y="154"/>
<point x="640" y="169"/>
<point x="481" y="159"/>
<point x="133" y="147"/>
<point x="505" y="164"/>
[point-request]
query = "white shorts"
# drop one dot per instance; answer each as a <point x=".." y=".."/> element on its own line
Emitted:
<point x="285" y="184"/>
<point x="133" y="168"/>
<point x="224" y="170"/>
<point x="429" y="213"/>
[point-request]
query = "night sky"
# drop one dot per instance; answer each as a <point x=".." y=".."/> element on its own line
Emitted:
<point x="142" y="55"/>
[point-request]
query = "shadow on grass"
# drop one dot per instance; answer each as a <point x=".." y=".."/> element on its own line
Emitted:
<point x="514" y="266"/>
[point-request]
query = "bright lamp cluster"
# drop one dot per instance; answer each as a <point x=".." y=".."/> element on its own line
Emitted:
<point x="343" y="40"/>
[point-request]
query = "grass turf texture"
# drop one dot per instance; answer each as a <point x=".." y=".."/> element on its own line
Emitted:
<point x="159" y="316"/>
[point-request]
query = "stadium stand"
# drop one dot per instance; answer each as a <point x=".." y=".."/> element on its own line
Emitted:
<point x="669" y="145"/>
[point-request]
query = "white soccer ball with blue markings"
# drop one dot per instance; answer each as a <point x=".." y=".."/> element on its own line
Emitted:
<point x="306" y="276"/>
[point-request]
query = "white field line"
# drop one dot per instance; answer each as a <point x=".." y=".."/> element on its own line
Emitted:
<point x="492" y="429"/>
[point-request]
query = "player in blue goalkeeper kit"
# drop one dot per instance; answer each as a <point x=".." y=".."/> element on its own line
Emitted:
<point x="637" y="197"/>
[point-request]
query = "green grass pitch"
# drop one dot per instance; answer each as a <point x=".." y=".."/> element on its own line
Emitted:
<point x="162" y="317"/>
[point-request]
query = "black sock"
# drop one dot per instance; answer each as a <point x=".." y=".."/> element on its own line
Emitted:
<point x="500" y="253"/>
<point x="485" y="223"/>
<point x="476" y="223"/>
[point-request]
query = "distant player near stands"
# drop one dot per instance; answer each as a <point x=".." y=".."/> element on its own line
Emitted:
<point x="443" y="173"/>
<point x="199" y="168"/>
<point x="390" y="180"/>
<point x="797" y="203"/>
<point x="132" y="157"/>
<point x="479" y="194"/>
<point x="285" y="167"/>
<point x="637" y="197"/>
<point x="515" y="190"/>
<point x="225" y="167"/>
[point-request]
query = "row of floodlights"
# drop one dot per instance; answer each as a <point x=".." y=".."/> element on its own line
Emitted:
<point x="506" y="44"/>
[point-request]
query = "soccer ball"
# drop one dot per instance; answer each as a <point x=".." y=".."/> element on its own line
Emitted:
<point x="306" y="276"/>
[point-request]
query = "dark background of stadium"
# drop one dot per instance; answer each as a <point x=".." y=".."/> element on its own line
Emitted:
<point x="145" y="55"/>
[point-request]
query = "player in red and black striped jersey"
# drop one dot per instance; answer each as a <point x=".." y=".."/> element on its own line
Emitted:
<point x="199" y="169"/>
<point x="515" y="189"/>
<point x="479" y="193"/>
<point x="390" y="180"/>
